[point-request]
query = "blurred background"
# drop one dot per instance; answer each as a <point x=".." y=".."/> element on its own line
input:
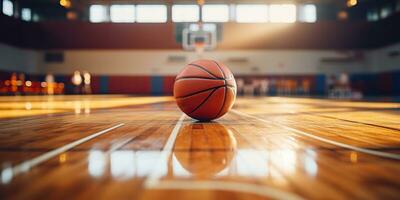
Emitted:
<point x="325" y="48"/>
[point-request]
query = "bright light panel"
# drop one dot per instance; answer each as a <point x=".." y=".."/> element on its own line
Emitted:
<point x="185" y="13"/>
<point x="282" y="13"/>
<point x="122" y="13"/>
<point x="26" y="14"/>
<point x="385" y="12"/>
<point x="251" y="13"/>
<point x="151" y="13"/>
<point x="8" y="7"/>
<point x="215" y="13"/>
<point x="308" y="13"/>
<point x="372" y="15"/>
<point x="98" y="13"/>
<point x="35" y="17"/>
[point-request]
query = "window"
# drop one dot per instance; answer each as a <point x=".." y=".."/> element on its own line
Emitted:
<point x="398" y="6"/>
<point x="215" y="13"/>
<point x="122" y="13"/>
<point x="385" y="11"/>
<point x="308" y="13"/>
<point x="98" y="13"/>
<point x="35" y="17"/>
<point x="26" y="14"/>
<point x="251" y="13"/>
<point x="8" y="7"/>
<point x="185" y="13"/>
<point x="373" y="15"/>
<point x="151" y="13"/>
<point x="282" y="13"/>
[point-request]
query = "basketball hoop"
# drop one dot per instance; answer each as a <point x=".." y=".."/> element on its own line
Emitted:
<point x="199" y="37"/>
<point x="199" y="47"/>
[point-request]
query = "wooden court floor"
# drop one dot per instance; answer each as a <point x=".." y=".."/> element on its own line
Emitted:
<point x="120" y="147"/>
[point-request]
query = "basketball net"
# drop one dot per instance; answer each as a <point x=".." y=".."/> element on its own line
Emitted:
<point x="199" y="48"/>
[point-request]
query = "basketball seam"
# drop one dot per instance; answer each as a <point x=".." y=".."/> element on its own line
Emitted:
<point x="204" y="69"/>
<point x="223" y="74"/>
<point x="219" y="67"/>
<point x="234" y="93"/>
<point x="196" y="77"/>
<point x="198" y="92"/>
<point x="223" y="103"/>
<point x="211" y="93"/>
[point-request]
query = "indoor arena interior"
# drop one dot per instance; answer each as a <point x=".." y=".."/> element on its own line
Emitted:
<point x="199" y="99"/>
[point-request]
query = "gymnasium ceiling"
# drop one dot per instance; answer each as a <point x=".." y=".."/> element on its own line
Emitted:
<point x="194" y="1"/>
<point x="83" y="4"/>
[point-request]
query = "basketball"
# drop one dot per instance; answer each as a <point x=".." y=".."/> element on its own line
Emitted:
<point x="202" y="99"/>
<point x="205" y="90"/>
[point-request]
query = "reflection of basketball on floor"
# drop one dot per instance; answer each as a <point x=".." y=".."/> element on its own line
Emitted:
<point x="204" y="149"/>
<point x="205" y="90"/>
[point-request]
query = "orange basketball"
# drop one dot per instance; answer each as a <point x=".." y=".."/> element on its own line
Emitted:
<point x="205" y="90"/>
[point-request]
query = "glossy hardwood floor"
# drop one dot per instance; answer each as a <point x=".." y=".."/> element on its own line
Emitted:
<point x="119" y="147"/>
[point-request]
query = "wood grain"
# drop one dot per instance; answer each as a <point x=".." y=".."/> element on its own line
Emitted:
<point x="235" y="157"/>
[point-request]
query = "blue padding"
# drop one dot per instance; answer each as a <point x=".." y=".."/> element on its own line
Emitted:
<point x="367" y="83"/>
<point x="272" y="91"/>
<point x="396" y="83"/>
<point x="61" y="78"/>
<point x="156" y="85"/>
<point x="69" y="88"/>
<point x="103" y="84"/>
<point x="320" y="84"/>
<point x="41" y="78"/>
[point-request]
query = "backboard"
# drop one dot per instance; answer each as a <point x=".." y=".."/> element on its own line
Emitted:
<point x="198" y="37"/>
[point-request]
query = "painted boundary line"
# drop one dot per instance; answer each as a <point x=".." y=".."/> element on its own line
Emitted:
<point x="343" y="145"/>
<point x="26" y="165"/>
<point x="154" y="177"/>
<point x="153" y="181"/>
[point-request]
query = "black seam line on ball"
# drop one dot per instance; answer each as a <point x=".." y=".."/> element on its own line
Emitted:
<point x="201" y="91"/>
<point x="219" y="67"/>
<point x="204" y="69"/>
<point x="211" y="93"/>
<point x="196" y="77"/>
<point x="226" y="88"/>
<point x="232" y="88"/>
<point x="223" y="103"/>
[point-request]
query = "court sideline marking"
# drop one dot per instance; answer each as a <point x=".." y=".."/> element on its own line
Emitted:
<point x="26" y="165"/>
<point x="347" y="146"/>
<point x="153" y="180"/>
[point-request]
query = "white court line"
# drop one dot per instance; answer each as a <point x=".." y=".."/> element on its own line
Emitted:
<point x="153" y="178"/>
<point x="26" y="165"/>
<point x="153" y="181"/>
<point x="347" y="146"/>
<point x="261" y="190"/>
